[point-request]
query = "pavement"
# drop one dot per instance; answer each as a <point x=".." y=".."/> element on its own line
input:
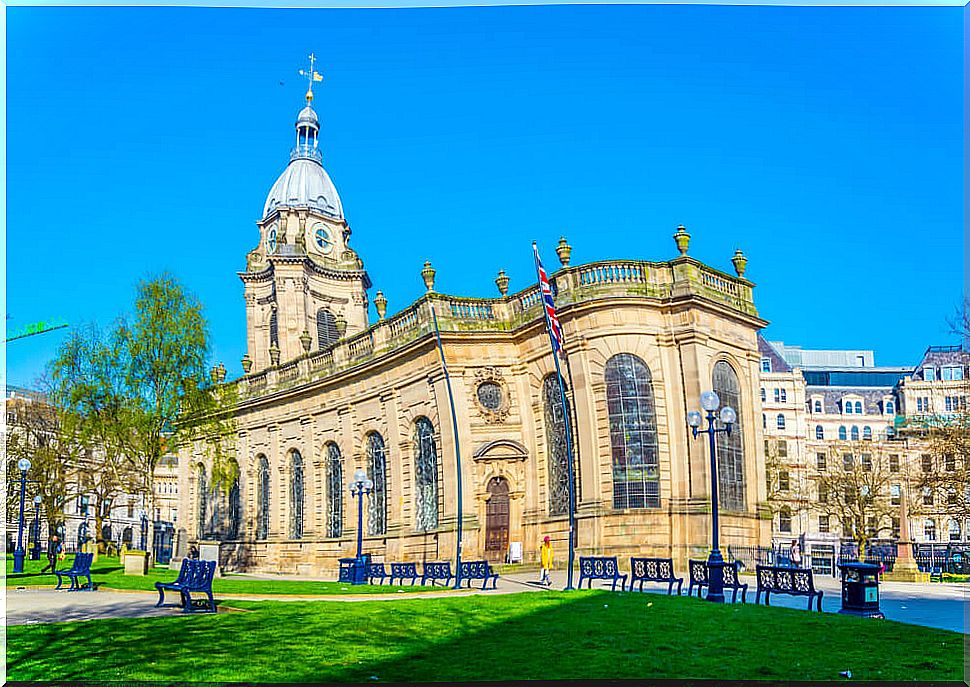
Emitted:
<point x="932" y="605"/>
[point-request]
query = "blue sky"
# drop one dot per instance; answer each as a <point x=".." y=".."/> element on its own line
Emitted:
<point x="824" y="142"/>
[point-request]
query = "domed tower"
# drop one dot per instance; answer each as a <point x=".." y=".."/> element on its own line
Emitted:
<point x="303" y="279"/>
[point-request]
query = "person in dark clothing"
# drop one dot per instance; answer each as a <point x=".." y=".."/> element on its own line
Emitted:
<point x="193" y="552"/>
<point x="53" y="548"/>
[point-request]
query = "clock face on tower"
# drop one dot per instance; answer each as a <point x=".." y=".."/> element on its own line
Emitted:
<point x="271" y="239"/>
<point x="322" y="238"/>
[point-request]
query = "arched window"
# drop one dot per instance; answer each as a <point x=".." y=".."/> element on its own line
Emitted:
<point x="764" y="421"/>
<point x="730" y="449"/>
<point x="780" y="421"/>
<point x="274" y="332"/>
<point x="326" y="328"/>
<point x="335" y="496"/>
<point x="954" y="529"/>
<point x="296" y="495"/>
<point x="203" y="496"/>
<point x="763" y="395"/>
<point x="858" y="407"/>
<point x="235" y="506"/>
<point x="377" y="473"/>
<point x="890" y="408"/>
<point x="818" y="406"/>
<point x="819" y="432"/>
<point x="855" y="433"/>
<point x="867" y="433"/>
<point x="784" y="519"/>
<point x="558" y="459"/>
<point x="425" y="476"/>
<point x="262" y="498"/>
<point x="847" y="407"/>
<point x="842" y="435"/>
<point x="633" y="433"/>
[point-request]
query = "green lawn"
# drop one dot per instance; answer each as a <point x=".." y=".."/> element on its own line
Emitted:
<point x="543" y="635"/>
<point x="108" y="573"/>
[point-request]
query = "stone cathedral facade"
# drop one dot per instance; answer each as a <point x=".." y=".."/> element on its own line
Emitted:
<point x="327" y="391"/>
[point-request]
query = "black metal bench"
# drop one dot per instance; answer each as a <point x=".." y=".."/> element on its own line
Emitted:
<point x="435" y="572"/>
<point x="403" y="571"/>
<point x="478" y="570"/>
<point x="699" y="578"/>
<point x="187" y="570"/>
<point x="654" y="570"/>
<point x="81" y="567"/>
<point x="376" y="571"/>
<point x="600" y="568"/>
<point x="791" y="581"/>
<point x="199" y="581"/>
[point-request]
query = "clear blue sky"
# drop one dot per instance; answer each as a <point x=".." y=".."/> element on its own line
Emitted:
<point x="824" y="142"/>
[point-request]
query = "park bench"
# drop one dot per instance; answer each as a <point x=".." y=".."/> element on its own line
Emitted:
<point x="478" y="570"/>
<point x="936" y="574"/>
<point x="783" y="580"/>
<point x="376" y="571"/>
<point x="600" y="568"/>
<point x="435" y="572"/>
<point x="199" y="581"/>
<point x="403" y="571"/>
<point x="699" y="578"/>
<point x="654" y="570"/>
<point x="81" y="567"/>
<point x="187" y="570"/>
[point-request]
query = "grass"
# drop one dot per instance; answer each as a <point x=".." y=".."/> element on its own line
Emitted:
<point x="108" y="573"/>
<point x="591" y="635"/>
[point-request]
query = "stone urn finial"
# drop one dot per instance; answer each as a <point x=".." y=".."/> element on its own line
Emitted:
<point x="740" y="262"/>
<point x="502" y="282"/>
<point x="274" y="354"/>
<point x="222" y="373"/>
<point x="380" y="304"/>
<point x="682" y="238"/>
<point x="247" y="363"/>
<point x="428" y="275"/>
<point x="305" y="340"/>
<point x="564" y="250"/>
<point x="341" y="325"/>
<point x="214" y="374"/>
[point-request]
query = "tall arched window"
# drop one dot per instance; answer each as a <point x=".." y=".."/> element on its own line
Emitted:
<point x="377" y="473"/>
<point x="818" y="406"/>
<point x="779" y="421"/>
<point x="954" y="529"/>
<point x="819" y="432"/>
<point x="296" y="495"/>
<point x="858" y="407"/>
<point x="262" y="498"/>
<point x="335" y="495"/>
<point x="235" y="507"/>
<point x="203" y="496"/>
<point x="784" y="519"/>
<point x="633" y="433"/>
<point x="730" y="449"/>
<point x="842" y="435"/>
<point x="326" y="328"/>
<point x="556" y="446"/>
<point x="425" y="476"/>
<point x="867" y="433"/>
<point x="854" y="433"/>
<point x="274" y="330"/>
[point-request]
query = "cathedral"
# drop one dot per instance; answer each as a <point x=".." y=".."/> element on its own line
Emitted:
<point x="326" y="391"/>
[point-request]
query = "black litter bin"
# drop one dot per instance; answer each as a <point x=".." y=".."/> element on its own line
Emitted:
<point x="860" y="590"/>
<point x="360" y="568"/>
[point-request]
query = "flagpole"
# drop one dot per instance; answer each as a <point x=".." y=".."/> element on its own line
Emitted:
<point x="454" y="425"/>
<point x="567" y="424"/>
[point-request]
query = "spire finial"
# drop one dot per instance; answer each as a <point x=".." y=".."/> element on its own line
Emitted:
<point x="311" y="76"/>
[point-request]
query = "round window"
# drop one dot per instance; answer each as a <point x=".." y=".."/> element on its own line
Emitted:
<point x="271" y="240"/>
<point x="490" y="395"/>
<point x="322" y="238"/>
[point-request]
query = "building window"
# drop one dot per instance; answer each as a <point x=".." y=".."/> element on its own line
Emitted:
<point x="780" y="421"/>
<point x="262" y="499"/>
<point x="377" y="473"/>
<point x="326" y="329"/>
<point x="847" y="407"/>
<point x="763" y="399"/>
<point x="633" y="433"/>
<point x="951" y="374"/>
<point x="819" y="432"/>
<point x="558" y="459"/>
<point x="235" y="506"/>
<point x="929" y="374"/>
<point x="274" y="331"/>
<point x="854" y="433"/>
<point x="866" y="460"/>
<point x="784" y="520"/>
<point x="202" y="496"/>
<point x="823" y="523"/>
<point x="895" y="527"/>
<point x="818" y="406"/>
<point x="335" y="493"/>
<point x="766" y="364"/>
<point x="783" y="483"/>
<point x="296" y="495"/>
<point x="842" y="434"/>
<point x="929" y="530"/>
<point x="782" y="448"/>
<point x="764" y="421"/>
<point x="425" y="476"/>
<point x="927" y="496"/>
<point x="895" y="496"/>
<point x="927" y="462"/>
<point x="777" y="395"/>
<point x="867" y="433"/>
<point x="951" y="496"/>
<point x="893" y="463"/>
<point x="820" y="461"/>
<point x="730" y="449"/>
<point x="950" y="463"/>
<point x="848" y="461"/>
<point x="890" y="408"/>
<point x="954" y="528"/>
<point x="858" y="407"/>
<point x="823" y="493"/>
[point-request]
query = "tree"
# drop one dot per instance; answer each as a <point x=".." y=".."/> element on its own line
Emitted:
<point x="786" y="488"/>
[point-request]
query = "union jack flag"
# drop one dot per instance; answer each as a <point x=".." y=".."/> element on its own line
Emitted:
<point x="555" y="330"/>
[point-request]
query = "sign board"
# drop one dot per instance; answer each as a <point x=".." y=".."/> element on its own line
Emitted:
<point x="515" y="552"/>
<point x="872" y="594"/>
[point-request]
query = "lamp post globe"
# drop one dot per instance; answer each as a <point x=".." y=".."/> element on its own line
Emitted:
<point x="710" y="401"/>
<point x="23" y="464"/>
<point x="18" y="555"/>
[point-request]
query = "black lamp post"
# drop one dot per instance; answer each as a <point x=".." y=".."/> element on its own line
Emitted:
<point x="143" y="516"/>
<point x="715" y="563"/>
<point x="35" y="551"/>
<point x="359" y="486"/>
<point x="18" y="555"/>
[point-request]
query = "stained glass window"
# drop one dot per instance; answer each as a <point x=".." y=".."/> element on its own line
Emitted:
<point x="235" y="506"/>
<point x="202" y="487"/>
<point x="335" y="479"/>
<point x="730" y="449"/>
<point x="262" y="499"/>
<point x="326" y="328"/>
<point x="377" y="473"/>
<point x="296" y="495"/>
<point x="633" y="433"/>
<point x="425" y="476"/>
<point x="556" y="446"/>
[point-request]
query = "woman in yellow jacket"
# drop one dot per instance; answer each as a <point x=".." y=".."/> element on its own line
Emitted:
<point x="545" y="560"/>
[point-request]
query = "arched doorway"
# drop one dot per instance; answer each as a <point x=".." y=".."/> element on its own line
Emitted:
<point x="497" y="520"/>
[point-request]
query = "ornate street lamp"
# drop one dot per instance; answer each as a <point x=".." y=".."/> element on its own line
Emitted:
<point x="18" y="555"/>
<point x="35" y="552"/>
<point x="715" y="564"/>
<point x="359" y="486"/>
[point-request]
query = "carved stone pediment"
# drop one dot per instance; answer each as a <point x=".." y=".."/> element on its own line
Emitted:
<point x="501" y="449"/>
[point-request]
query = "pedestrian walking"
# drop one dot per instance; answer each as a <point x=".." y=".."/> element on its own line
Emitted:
<point x="796" y="554"/>
<point x="545" y="561"/>
<point x="53" y="549"/>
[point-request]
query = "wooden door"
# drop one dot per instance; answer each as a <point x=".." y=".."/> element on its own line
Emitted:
<point x="497" y="520"/>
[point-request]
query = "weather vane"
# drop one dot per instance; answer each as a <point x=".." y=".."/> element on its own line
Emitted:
<point x="311" y="76"/>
